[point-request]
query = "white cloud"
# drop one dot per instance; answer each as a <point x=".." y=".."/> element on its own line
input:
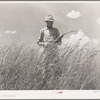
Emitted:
<point x="96" y="41"/>
<point x="85" y="38"/>
<point x="72" y="36"/>
<point x="79" y="35"/>
<point x="73" y="14"/>
<point x="64" y="41"/>
<point x="98" y="20"/>
<point x="10" y="32"/>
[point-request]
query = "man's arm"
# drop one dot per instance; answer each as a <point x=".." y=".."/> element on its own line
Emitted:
<point x="40" y="41"/>
<point x="59" y="40"/>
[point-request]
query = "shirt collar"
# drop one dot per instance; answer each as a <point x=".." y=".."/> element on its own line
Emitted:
<point x="48" y="28"/>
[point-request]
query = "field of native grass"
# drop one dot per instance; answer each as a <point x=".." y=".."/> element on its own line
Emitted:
<point x="76" y="66"/>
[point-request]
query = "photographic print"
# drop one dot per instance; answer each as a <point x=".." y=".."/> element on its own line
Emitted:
<point x="49" y="46"/>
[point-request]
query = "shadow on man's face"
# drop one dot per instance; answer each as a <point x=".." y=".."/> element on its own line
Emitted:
<point x="49" y="24"/>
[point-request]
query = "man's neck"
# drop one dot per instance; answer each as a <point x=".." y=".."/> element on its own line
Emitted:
<point x="50" y="27"/>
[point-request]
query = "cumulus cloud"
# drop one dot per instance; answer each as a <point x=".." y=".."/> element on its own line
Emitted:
<point x="96" y="41"/>
<point x="85" y="38"/>
<point x="98" y="20"/>
<point x="73" y="14"/>
<point x="80" y="35"/>
<point x="64" y="41"/>
<point x="10" y="32"/>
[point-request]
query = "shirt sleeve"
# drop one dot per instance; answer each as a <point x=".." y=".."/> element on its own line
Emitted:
<point x="58" y="34"/>
<point x="41" y="37"/>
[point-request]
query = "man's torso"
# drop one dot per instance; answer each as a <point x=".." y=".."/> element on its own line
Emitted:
<point x="50" y="34"/>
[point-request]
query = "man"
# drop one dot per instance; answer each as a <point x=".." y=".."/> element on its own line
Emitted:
<point x="50" y="57"/>
<point x="48" y="34"/>
<point x="46" y="39"/>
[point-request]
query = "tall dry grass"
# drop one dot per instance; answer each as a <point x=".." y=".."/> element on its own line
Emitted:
<point x="73" y="67"/>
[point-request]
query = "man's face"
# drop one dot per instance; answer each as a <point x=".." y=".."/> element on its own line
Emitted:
<point x="49" y="24"/>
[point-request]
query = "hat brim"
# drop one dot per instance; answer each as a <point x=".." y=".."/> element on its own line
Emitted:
<point x="49" y="20"/>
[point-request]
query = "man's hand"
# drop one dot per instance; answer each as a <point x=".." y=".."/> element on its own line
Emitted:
<point x="44" y="44"/>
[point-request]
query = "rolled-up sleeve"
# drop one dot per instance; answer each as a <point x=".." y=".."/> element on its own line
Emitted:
<point x="41" y="37"/>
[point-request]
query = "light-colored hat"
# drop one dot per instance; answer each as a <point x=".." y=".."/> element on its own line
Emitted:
<point x="49" y="18"/>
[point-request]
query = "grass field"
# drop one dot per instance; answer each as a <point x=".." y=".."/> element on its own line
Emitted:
<point x="75" y="67"/>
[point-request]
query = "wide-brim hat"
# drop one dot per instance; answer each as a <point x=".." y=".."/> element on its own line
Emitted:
<point x="49" y="18"/>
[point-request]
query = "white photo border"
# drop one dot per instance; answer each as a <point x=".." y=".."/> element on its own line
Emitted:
<point x="49" y="94"/>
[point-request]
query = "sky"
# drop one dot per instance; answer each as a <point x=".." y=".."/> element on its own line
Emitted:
<point x="22" y="21"/>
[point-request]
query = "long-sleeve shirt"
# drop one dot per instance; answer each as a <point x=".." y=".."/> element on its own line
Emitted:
<point x="48" y="34"/>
